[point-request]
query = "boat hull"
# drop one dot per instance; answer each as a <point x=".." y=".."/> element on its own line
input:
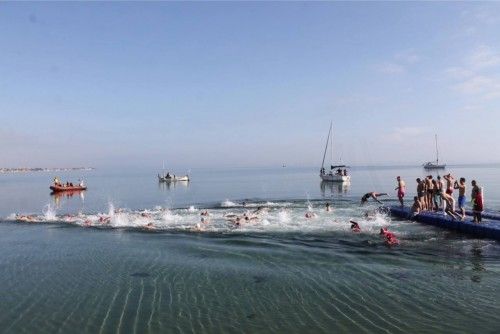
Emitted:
<point x="173" y="179"/>
<point x="434" y="166"/>
<point x="335" y="178"/>
<point x="57" y="189"/>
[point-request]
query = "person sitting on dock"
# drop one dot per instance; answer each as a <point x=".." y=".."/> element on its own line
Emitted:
<point x="477" y="202"/>
<point x="373" y="195"/>
<point x="416" y="207"/>
<point x="401" y="188"/>
<point x="355" y="226"/>
<point x="461" y="195"/>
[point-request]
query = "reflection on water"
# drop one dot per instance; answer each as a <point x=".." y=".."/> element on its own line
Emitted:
<point x="59" y="196"/>
<point x="334" y="188"/>
<point x="173" y="185"/>
<point x="477" y="262"/>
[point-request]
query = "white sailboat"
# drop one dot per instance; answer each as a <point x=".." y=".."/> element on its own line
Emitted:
<point x="167" y="177"/>
<point x="337" y="173"/>
<point x="432" y="164"/>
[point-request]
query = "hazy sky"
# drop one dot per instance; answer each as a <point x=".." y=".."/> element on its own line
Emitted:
<point x="247" y="84"/>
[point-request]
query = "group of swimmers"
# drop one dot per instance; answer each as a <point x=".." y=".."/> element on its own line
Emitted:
<point x="389" y="237"/>
<point x="436" y="194"/>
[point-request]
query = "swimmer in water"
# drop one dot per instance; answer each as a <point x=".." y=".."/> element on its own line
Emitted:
<point x="373" y="195"/>
<point x="370" y="215"/>
<point x="390" y="238"/>
<point x="149" y="226"/>
<point x="235" y="221"/>
<point x="260" y="210"/>
<point x="204" y="213"/>
<point x="309" y="215"/>
<point x="197" y="228"/>
<point x="355" y="226"/>
<point x="25" y="218"/>
<point x="327" y="207"/>
<point x="104" y="220"/>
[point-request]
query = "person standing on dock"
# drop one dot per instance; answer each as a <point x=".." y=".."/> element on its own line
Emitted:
<point x="477" y="202"/>
<point x="461" y="195"/>
<point x="429" y="187"/>
<point x="421" y="193"/>
<point x="401" y="188"/>
<point x="449" y="183"/>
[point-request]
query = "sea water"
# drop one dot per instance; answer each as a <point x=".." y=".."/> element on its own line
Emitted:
<point x="132" y="255"/>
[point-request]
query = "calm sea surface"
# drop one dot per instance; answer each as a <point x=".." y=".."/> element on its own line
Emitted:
<point x="131" y="255"/>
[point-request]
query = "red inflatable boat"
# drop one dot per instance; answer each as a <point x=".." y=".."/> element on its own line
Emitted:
<point x="66" y="188"/>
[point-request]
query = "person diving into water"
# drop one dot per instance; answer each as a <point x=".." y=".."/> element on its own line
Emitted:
<point x="373" y="195"/>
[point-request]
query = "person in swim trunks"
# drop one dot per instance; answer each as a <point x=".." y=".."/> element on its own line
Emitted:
<point x="430" y="191"/>
<point x="421" y="193"/>
<point x="449" y="183"/>
<point x="461" y="195"/>
<point x="401" y="188"/>
<point x="373" y="195"/>
<point x="477" y="200"/>
<point x="416" y="207"/>
<point x="435" y="195"/>
<point x="440" y="185"/>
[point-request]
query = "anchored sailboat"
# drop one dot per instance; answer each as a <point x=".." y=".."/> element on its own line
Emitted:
<point x="167" y="177"/>
<point x="432" y="164"/>
<point x="337" y="173"/>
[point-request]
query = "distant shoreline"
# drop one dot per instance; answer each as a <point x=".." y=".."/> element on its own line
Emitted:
<point x="39" y="169"/>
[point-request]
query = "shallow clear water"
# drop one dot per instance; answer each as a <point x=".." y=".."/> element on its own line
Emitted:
<point x="277" y="272"/>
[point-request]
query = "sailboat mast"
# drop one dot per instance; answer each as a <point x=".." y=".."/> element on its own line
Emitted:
<point x="326" y="147"/>
<point x="331" y="149"/>
<point x="437" y="152"/>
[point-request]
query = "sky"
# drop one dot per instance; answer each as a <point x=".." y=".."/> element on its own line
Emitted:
<point x="248" y="84"/>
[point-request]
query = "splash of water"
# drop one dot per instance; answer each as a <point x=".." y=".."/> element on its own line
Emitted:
<point x="283" y="216"/>
<point x="111" y="209"/>
<point x="227" y="204"/>
<point x="49" y="212"/>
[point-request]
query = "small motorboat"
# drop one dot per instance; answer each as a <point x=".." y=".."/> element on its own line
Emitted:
<point x="60" y="188"/>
